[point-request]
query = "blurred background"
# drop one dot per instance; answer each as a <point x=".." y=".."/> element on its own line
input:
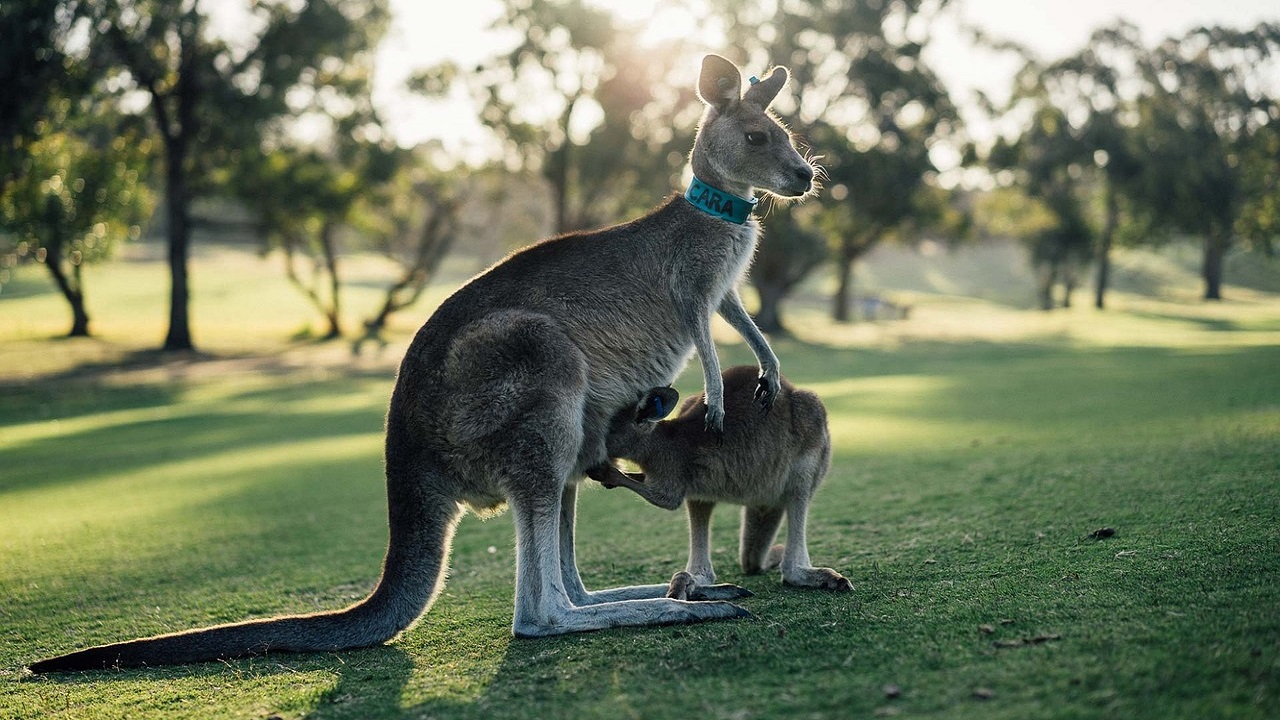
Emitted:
<point x="239" y="176"/>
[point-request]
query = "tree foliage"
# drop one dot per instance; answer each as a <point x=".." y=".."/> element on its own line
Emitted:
<point x="1125" y="140"/>
<point x="1076" y="152"/>
<point x="605" y="121"/>
<point x="869" y="104"/>
<point x="1206" y="120"/>
<point x="302" y="192"/>
<point x="37" y="67"/>
<point x="77" y="193"/>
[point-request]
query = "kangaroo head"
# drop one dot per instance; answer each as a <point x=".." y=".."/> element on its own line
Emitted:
<point x="631" y="425"/>
<point x="740" y="144"/>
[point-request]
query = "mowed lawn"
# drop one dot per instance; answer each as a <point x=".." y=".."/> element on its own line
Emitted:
<point x="978" y="450"/>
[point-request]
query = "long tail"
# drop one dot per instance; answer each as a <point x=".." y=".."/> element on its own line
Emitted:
<point x="421" y="530"/>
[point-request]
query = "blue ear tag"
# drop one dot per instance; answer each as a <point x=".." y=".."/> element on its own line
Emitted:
<point x="753" y="80"/>
<point x="657" y="403"/>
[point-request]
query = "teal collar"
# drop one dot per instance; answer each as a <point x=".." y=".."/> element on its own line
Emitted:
<point x="718" y="203"/>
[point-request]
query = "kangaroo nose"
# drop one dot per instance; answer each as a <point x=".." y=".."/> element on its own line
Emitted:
<point x="804" y="175"/>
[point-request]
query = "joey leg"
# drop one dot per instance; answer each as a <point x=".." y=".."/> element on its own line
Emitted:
<point x="759" y="528"/>
<point x="797" y="570"/>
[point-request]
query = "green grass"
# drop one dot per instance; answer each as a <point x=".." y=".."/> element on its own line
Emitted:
<point x="977" y="448"/>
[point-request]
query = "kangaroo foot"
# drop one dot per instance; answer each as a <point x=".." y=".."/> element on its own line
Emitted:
<point x="819" y="578"/>
<point x="773" y="558"/>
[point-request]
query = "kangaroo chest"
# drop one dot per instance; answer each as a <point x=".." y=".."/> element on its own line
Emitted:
<point x="713" y="266"/>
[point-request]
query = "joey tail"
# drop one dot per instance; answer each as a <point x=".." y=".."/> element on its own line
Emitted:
<point x="421" y="529"/>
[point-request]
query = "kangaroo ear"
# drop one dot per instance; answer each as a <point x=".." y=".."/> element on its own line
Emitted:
<point x="762" y="92"/>
<point x="656" y="404"/>
<point x="720" y="83"/>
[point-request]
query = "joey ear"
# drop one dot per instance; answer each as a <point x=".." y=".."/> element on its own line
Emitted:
<point x="656" y="404"/>
<point x="720" y="83"/>
<point x="762" y="92"/>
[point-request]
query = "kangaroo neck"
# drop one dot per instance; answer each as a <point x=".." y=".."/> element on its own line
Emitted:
<point x="705" y="170"/>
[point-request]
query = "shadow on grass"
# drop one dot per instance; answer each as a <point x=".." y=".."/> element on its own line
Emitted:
<point x="132" y="379"/>
<point x="370" y="684"/>
<point x="1204" y="323"/>
<point x="250" y="419"/>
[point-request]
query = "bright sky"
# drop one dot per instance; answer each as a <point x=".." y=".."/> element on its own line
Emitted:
<point x="422" y="35"/>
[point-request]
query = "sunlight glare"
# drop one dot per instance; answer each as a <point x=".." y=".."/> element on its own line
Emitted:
<point x="657" y="22"/>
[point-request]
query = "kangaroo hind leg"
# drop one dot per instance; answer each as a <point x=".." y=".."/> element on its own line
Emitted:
<point x="518" y="388"/>
<point x="797" y="570"/>
<point x="542" y="605"/>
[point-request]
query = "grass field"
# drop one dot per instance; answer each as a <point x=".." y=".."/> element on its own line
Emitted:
<point x="978" y="447"/>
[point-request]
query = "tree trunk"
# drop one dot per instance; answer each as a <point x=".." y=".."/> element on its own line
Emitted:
<point x="72" y="290"/>
<point x="769" y="317"/>
<point x="843" y="300"/>
<point x="557" y="171"/>
<point x="1105" y="242"/>
<point x="434" y="242"/>
<point x="334" y="311"/>
<point x="79" y="317"/>
<point x="1068" y="282"/>
<point x="178" y="132"/>
<point x="1215" y="250"/>
<point x="1047" y="278"/>
<point x="852" y="247"/>
<point x="179" y="335"/>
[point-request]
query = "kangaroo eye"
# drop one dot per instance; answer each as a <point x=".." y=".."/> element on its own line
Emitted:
<point x="757" y="138"/>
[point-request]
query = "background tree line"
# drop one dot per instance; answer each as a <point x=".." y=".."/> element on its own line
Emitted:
<point x="125" y="111"/>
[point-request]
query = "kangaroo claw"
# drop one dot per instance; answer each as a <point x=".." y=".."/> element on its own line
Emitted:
<point x="766" y="393"/>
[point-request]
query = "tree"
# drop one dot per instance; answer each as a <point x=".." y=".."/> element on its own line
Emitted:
<point x="1207" y="108"/>
<point x="303" y="192"/>
<point x="1077" y="153"/>
<point x="290" y="192"/>
<point x="76" y="193"/>
<point x="36" y="68"/>
<point x="1258" y="224"/>
<point x="868" y="102"/>
<point x="209" y="97"/>
<point x="792" y="249"/>
<point x="603" y="117"/>
<point x="1048" y="158"/>
<point x="576" y="100"/>
<point x="415" y="223"/>
<point x="1101" y="83"/>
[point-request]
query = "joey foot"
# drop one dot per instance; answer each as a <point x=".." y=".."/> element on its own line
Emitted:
<point x="685" y="587"/>
<point x="773" y="558"/>
<point x="815" y="577"/>
<point x="820" y="578"/>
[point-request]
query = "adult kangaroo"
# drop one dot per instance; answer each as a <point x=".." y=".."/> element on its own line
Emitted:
<point x="505" y="396"/>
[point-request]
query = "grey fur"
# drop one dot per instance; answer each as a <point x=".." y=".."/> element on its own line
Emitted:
<point x="770" y="462"/>
<point x="505" y="394"/>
